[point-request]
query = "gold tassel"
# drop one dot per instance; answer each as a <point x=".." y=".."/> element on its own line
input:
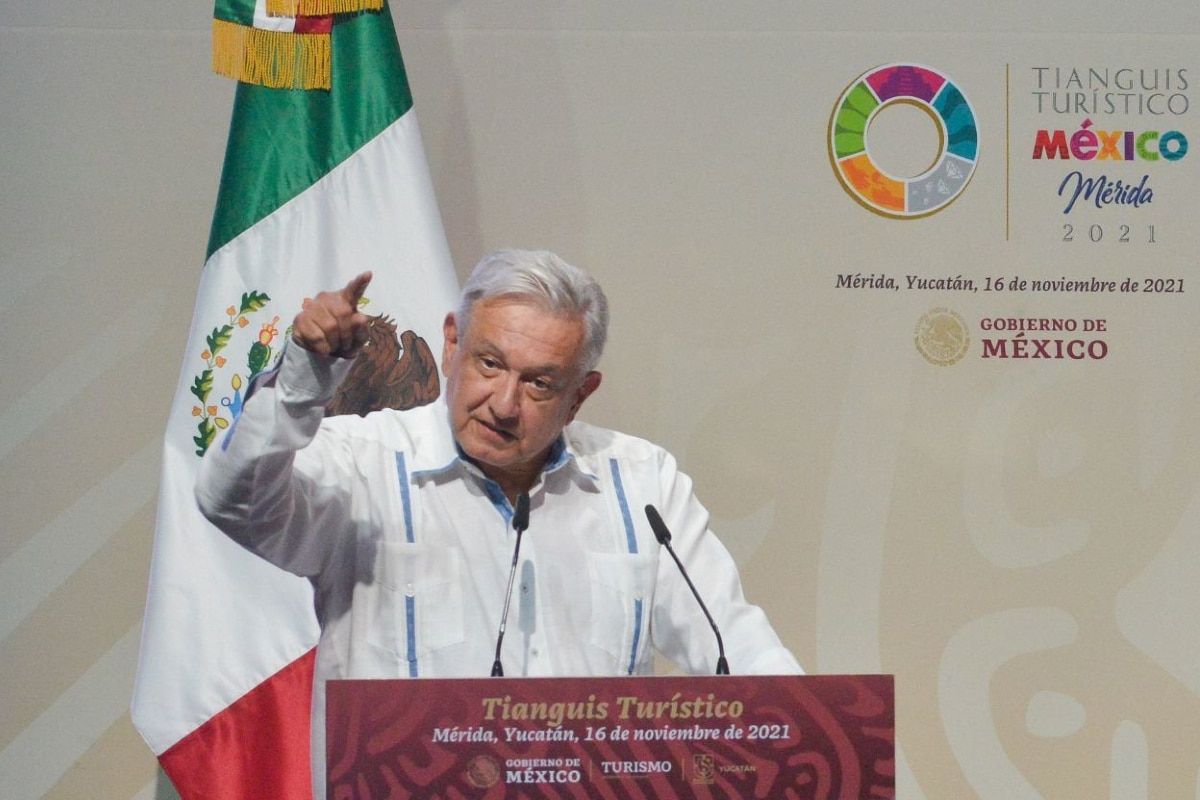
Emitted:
<point x="319" y="8"/>
<point x="275" y="59"/>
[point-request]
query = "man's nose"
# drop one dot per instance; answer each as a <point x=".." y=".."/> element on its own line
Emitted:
<point x="506" y="396"/>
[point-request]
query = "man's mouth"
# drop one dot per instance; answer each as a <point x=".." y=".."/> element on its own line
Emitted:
<point x="500" y="433"/>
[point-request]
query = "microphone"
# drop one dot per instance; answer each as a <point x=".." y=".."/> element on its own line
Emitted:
<point x="664" y="538"/>
<point x="520" y="521"/>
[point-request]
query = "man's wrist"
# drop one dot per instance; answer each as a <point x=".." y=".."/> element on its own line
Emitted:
<point x="307" y="377"/>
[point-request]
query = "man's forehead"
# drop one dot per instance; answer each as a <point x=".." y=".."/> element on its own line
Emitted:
<point x="518" y="326"/>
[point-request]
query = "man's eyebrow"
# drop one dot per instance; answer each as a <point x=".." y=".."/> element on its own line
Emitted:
<point x="557" y="371"/>
<point x="486" y="347"/>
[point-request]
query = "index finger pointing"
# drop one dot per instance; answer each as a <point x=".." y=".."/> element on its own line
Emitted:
<point x="356" y="288"/>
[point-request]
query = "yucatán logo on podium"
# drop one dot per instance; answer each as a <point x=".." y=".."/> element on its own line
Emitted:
<point x="868" y="181"/>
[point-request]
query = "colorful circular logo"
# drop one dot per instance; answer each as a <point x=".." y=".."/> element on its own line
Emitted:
<point x="958" y="147"/>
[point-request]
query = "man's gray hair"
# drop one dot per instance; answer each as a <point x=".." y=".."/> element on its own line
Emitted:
<point x="545" y="280"/>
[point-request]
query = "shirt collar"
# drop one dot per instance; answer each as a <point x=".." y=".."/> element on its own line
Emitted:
<point x="444" y="455"/>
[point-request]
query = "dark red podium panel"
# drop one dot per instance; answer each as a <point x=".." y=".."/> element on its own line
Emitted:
<point x="815" y="737"/>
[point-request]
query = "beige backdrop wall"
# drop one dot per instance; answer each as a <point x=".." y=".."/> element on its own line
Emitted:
<point x="1017" y="539"/>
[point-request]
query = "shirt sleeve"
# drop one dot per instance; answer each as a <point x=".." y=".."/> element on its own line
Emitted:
<point x="682" y="632"/>
<point x="251" y="484"/>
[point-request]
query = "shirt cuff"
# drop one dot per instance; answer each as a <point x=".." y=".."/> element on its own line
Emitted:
<point x="308" y="378"/>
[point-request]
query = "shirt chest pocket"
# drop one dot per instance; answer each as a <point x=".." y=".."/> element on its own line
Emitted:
<point x="418" y="603"/>
<point x="622" y="594"/>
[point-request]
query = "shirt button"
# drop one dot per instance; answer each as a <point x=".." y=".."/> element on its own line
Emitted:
<point x="410" y="590"/>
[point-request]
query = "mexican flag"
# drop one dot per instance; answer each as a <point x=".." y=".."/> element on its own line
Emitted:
<point x="324" y="177"/>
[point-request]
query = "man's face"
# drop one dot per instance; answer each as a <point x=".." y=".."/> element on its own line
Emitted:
<point x="513" y="381"/>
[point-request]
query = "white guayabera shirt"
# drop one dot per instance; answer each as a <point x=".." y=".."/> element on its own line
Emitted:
<point x="408" y="546"/>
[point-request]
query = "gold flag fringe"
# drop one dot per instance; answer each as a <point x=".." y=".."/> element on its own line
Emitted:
<point x="319" y="8"/>
<point x="275" y="59"/>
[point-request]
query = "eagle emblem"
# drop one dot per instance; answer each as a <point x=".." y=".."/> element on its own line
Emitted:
<point x="392" y="370"/>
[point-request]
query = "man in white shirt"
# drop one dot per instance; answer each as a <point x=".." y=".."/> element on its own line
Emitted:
<point x="402" y="519"/>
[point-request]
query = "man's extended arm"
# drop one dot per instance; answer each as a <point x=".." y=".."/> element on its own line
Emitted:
<point x="249" y="485"/>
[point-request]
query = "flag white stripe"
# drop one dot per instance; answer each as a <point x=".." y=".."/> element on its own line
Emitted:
<point x="269" y="23"/>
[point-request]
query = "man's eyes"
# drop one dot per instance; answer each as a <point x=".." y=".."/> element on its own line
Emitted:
<point x="540" y="386"/>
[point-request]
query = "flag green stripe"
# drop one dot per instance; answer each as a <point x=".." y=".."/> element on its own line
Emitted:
<point x="282" y="141"/>
<point x="238" y="11"/>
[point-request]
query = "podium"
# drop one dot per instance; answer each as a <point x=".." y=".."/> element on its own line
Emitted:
<point x="825" y="737"/>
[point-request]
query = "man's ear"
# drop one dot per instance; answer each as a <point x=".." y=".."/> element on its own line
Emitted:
<point x="590" y="384"/>
<point x="449" y="341"/>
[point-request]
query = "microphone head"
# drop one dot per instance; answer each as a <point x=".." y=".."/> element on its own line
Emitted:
<point x="520" y="518"/>
<point x="657" y="525"/>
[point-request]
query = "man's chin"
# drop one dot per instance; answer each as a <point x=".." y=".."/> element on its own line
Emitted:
<point x="496" y="456"/>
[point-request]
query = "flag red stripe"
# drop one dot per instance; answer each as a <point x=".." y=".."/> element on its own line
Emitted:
<point x="257" y="747"/>
<point x="313" y="24"/>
